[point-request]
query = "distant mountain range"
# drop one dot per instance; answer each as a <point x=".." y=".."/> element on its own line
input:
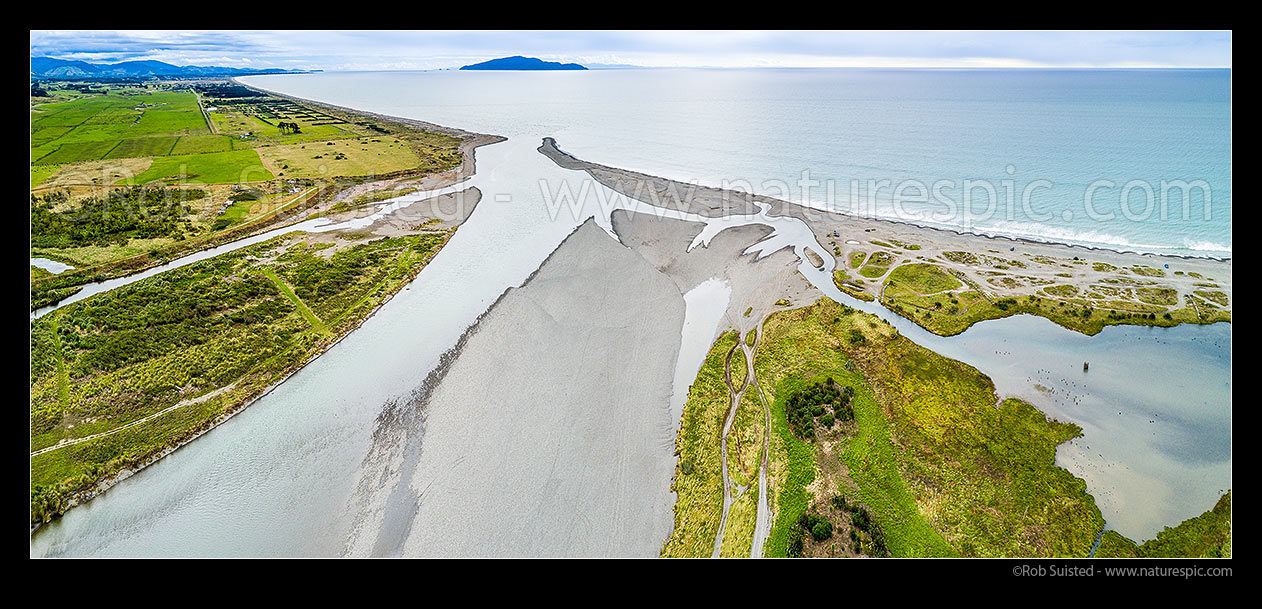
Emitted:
<point x="48" y="67"/>
<point x="517" y="62"/>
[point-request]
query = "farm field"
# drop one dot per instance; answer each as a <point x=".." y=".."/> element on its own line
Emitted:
<point x="165" y="121"/>
<point x="350" y="157"/>
<point x="213" y="135"/>
<point x="232" y="167"/>
<point x="124" y="123"/>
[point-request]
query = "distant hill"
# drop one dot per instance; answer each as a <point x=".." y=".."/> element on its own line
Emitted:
<point x="517" y="62"/>
<point x="48" y="67"/>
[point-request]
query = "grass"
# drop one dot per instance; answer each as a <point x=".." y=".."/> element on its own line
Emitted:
<point x="698" y="482"/>
<point x="937" y="301"/>
<point x="1158" y="296"/>
<point x="744" y="458"/>
<point x="877" y="264"/>
<point x="744" y="440"/>
<point x="738" y="368"/>
<point x="873" y="272"/>
<point x="1216" y="296"/>
<point x="200" y="144"/>
<point x="842" y="281"/>
<point x="210" y="168"/>
<point x="738" y="537"/>
<point x="143" y="146"/>
<point x="39" y="173"/>
<point x="946" y="468"/>
<point x="1204" y="536"/>
<point x="90" y="255"/>
<point x="241" y="320"/>
<point x="794" y="355"/>
<point x="116" y="125"/>
<point x="922" y="278"/>
<point x="84" y="143"/>
<point x="234" y="213"/>
<point x="791" y="472"/>
<point x="284" y="288"/>
<point x="346" y="157"/>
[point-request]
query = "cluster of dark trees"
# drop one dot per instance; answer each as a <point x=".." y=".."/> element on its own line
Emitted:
<point x="289" y="127"/>
<point x="861" y="522"/>
<point x="226" y="90"/>
<point x="1004" y="303"/>
<point x="1152" y="316"/>
<point x="84" y="88"/>
<point x="818" y="527"/>
<point x="249" y="194"/>
<point x="819" y="405"/>
<point x="867" y="538"/>
<point x="117" y="217"/>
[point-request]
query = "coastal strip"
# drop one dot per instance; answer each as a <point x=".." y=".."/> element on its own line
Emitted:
<point x="1081" y="288"/>
<point x="50" y="499"/>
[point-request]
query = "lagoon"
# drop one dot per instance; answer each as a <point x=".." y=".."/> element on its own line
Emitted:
<point x="279" y="478"/>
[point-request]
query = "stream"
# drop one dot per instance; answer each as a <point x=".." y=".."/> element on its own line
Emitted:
<point x="273" y="480"/>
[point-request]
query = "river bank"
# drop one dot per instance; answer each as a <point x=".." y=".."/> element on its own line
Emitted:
<point x="1081" y="288"/>
<point x="435" y="217"/>
<point x="909" y="244"/>
<point x="278" y="209"/>
<point x="512" y="244"/>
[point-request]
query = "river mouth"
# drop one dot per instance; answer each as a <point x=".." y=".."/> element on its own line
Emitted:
<point x="276" y="480"/>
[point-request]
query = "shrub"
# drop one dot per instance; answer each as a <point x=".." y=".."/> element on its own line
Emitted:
<point x="822" y="530"/>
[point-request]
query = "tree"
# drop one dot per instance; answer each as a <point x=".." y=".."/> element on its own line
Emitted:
<point x="822" y="530"/>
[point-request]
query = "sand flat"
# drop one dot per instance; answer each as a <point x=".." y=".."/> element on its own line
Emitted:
<point x="550" y="434"/>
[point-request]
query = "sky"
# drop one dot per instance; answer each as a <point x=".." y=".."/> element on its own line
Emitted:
<point x="429" y="50"/>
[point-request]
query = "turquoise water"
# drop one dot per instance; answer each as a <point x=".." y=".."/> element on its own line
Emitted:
<point x="869" y="132"/>
<point x="280" y="478"/>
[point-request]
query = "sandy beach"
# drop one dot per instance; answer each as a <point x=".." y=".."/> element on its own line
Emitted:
<point x="1004" y="267"/>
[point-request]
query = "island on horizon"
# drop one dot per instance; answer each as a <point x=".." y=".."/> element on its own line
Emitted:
<point x="517" y="62"/>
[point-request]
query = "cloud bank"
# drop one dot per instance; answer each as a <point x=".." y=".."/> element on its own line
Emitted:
<point x="429" y="50"/>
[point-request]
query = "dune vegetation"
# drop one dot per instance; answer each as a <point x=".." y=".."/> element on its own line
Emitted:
<point x="880" y="447"/>
<point x="1204" y="536"/>
<point x="121" y="377"/>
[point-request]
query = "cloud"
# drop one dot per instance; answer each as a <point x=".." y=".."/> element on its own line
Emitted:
<point x="374" y="50"/>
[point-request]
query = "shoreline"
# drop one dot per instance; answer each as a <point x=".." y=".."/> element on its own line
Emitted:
<point x="472" y="329"/>
<point x="583" y="165"/>
<point x="1076" y="286"/>
<point x="471" y="140"/>
<point x="107" y="483"/>
<point x="275" y="219"/>
<point x="460" y="173"/>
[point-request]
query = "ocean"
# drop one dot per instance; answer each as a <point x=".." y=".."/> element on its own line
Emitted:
<point x="279" y="478"/>
<point x="1133" y="160"/>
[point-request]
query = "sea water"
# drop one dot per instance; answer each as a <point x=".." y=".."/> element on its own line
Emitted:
<point x="1124" y="159"/>
<point x="276" y="479"/>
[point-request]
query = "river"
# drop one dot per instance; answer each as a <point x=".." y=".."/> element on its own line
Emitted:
<point x="277" y="479"/>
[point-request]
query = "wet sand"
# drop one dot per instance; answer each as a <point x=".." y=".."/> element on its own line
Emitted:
<point x="853" y="233"/>
<point x="550" y="434"/>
